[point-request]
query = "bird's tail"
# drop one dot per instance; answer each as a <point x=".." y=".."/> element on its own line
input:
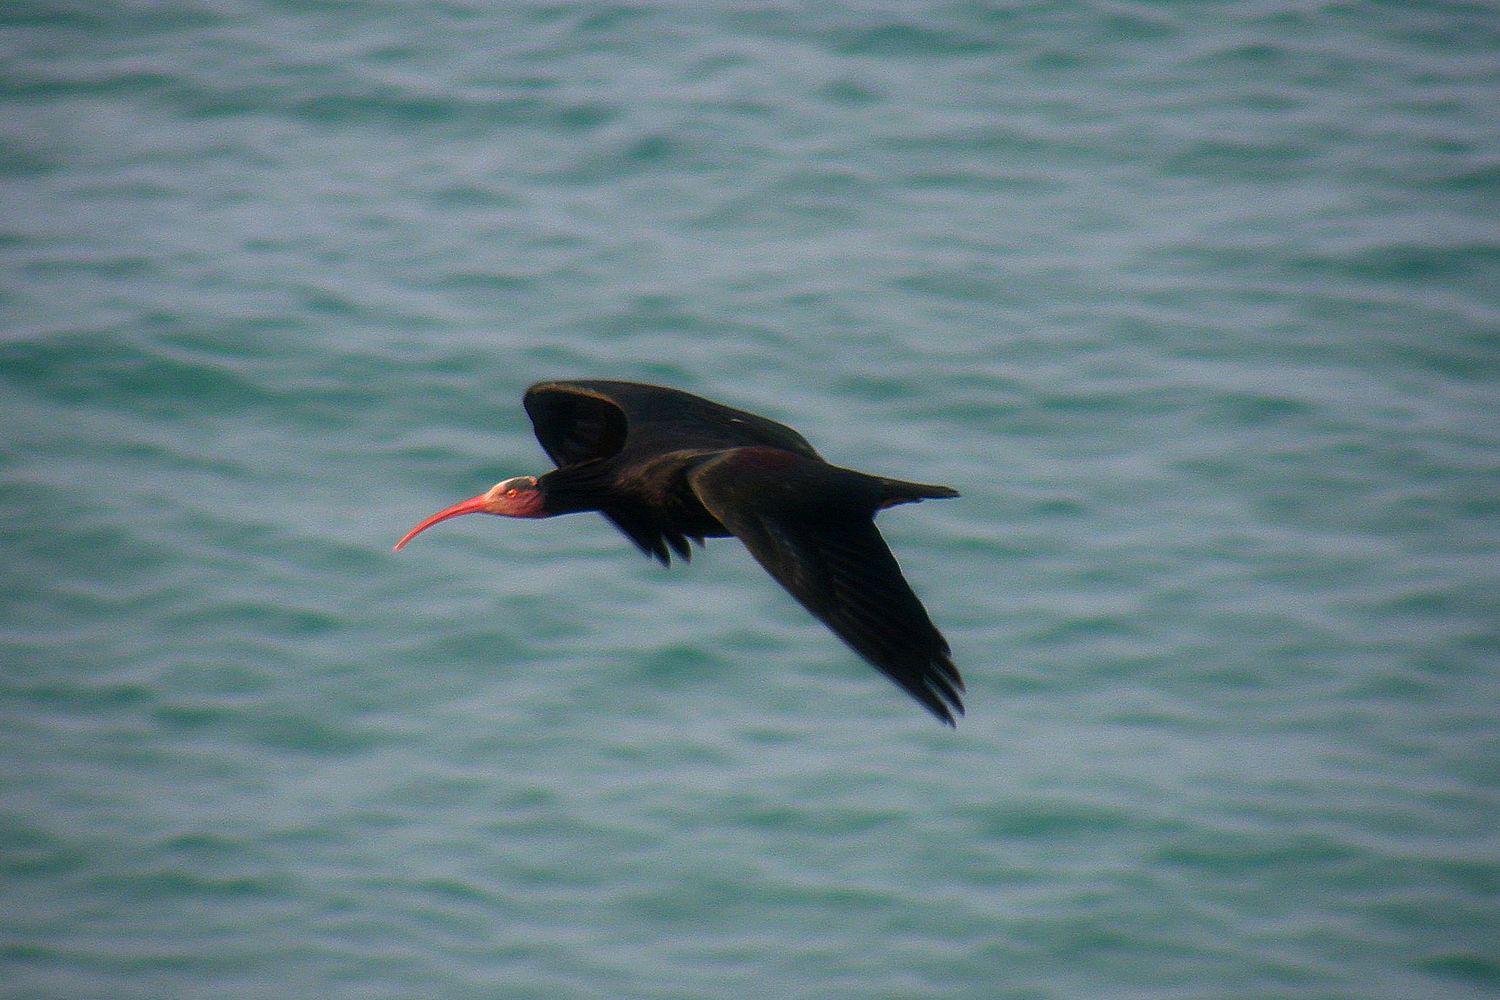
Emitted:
<point x="898" y="491"/>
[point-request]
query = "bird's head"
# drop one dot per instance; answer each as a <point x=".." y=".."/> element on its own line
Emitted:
<point x="519" y="496"/>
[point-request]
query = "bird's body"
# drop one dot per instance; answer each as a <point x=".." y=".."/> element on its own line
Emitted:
<point x="669" y="468"/>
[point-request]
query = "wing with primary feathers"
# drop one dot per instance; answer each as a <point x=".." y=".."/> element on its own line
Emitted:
<point x="831" y="558"/>
<point x="573" y="424"/>
<point x="596" y="418"/>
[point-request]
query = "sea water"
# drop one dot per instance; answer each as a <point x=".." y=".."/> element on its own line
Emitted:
<point x="1196" y="304"/>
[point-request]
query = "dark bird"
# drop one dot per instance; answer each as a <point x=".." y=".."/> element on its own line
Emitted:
<point x="665" y="466"/>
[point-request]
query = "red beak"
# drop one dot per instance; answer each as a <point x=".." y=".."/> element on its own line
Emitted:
<point x="473" y="505"/>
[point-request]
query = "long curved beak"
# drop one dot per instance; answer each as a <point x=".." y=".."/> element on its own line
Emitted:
<point x="473" y="505"/>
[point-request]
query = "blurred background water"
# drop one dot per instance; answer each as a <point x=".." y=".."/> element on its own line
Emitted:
<point x="1198" y="304"/>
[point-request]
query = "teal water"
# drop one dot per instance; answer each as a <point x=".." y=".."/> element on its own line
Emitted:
<point x="1198" y="304"/>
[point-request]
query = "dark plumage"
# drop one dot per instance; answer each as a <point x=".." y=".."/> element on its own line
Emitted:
<point x="668" y="468"/>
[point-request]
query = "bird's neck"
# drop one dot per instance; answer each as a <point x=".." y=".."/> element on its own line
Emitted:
<point x="575" y="488"/>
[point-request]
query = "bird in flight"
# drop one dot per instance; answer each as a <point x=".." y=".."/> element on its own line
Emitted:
<point x="667" y="467"/>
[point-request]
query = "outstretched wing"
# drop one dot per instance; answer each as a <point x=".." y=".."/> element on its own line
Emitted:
<point x="575" y="424"/>
<point x="810" y="525"/>
<point x="597" y="418"/>
<point x="594" y="420"/>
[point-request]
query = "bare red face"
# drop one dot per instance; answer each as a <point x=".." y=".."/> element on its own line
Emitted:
<point x="517" y="497"/>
